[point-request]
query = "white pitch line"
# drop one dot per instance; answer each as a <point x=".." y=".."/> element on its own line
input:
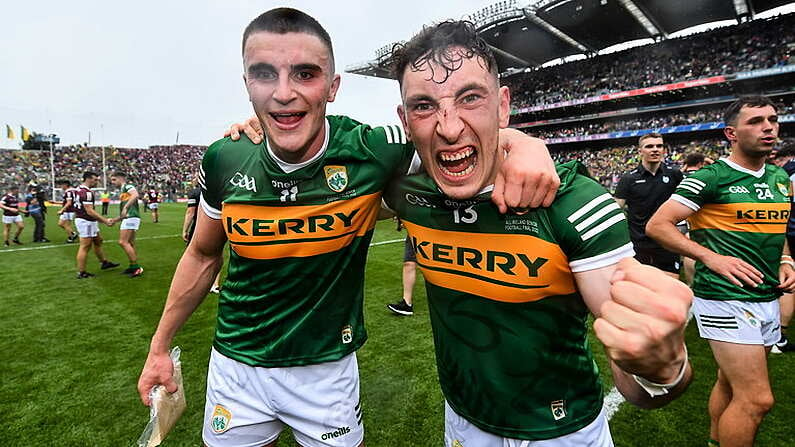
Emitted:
<point x="391" y="241"/>
<point x="613" y="400"/>
<point x="44" y="247"/>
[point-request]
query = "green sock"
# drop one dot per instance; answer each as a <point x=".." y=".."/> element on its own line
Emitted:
<point x="713" y="443"/>
<point x="134" y="266"/>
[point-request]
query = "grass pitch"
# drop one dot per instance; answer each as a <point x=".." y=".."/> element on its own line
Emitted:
<point x="73" y="350"/>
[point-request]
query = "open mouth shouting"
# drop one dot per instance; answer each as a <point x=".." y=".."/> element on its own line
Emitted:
<point x="287" y="120"/>
<point x="457" y="164"/>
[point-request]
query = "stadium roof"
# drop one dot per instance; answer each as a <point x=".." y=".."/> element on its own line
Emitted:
<point x="528" y="34"/>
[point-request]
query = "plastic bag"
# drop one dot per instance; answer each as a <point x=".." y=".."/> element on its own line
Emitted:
<point x="166" y="408"/>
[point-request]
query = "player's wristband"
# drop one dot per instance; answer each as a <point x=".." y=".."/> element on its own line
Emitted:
<point x="659" y="389"/>
<point x="788" y="262"/>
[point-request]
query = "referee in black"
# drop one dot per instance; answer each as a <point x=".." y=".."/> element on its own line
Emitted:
<point x="640" y="192"/>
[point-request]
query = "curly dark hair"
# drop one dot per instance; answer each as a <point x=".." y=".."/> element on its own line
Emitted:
<point x="433" y="43"/>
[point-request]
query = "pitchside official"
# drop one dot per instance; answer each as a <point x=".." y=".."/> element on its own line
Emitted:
<point x="642" y="191"/>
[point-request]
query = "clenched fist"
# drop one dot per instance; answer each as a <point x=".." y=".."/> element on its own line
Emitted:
<point x="642" y="325"/>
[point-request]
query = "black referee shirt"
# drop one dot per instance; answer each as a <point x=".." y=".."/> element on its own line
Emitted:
<point x="644" y="192"/>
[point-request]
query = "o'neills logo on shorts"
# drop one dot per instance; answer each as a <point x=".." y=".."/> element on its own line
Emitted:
<point x="342" y="431"/>
<point x="220" y="419"/>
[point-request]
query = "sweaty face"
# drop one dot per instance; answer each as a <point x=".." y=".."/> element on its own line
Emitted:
<point x="652" y="150"/>
<point x="756" y="131"/>
<point x="290" y="78"/>
<point x="455" y="124"/>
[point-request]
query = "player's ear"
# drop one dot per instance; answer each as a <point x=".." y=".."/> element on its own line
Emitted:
<point x="505" y="106"/>
<point x="402" y="115"/>
<point x="335" y="85"/>
<point x="731" y="133"/>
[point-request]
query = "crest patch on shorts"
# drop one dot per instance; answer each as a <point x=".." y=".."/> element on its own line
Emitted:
<point x="220" y="419"/>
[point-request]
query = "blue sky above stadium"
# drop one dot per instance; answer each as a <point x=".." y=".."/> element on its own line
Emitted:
<point x="134" y="74"/>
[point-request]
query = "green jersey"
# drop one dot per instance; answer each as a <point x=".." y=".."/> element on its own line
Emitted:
<point x="298" y="236"/>
<point x="509" y="324"/>
<point x="126" y="192"/>
<point x="740" y="213"/>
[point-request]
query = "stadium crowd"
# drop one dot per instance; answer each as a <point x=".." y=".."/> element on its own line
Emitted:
<point x="749" y="46"/>
<point x="167" y="169"/>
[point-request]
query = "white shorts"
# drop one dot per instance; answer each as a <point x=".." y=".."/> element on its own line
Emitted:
<point x="738" y="321"/>
<point x="152" y="206"/>
<point x="130" y="223"/>
<point x="249" y="406"/>
<point x="67" y="216"/>
<point x="87" y="228"/>
<point x="11" y="219"/>
<point x="459" y="432"/>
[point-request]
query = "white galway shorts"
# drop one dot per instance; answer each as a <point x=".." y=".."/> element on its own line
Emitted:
<point x="130" y="223"/>
<point x="250" y="406"/>
<point x="740" y="322"/>
<point x="459" y="432"/>
<point x="152" y="206"/>
<point x="67" y="216"/>
<point x="11" y="219"/>
<point x="87" y="228"/>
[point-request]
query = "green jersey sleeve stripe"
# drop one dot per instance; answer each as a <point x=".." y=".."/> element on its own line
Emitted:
<point x="211" y="212"/>
<point x="690" y="188"/>
<point x="602" y="260"/>
<point x="603" y="226"/>
<point x="588" y="207"/>
<point x="686" y="202"/>
<point x="596" y="216"/>
<point x="694" y="180"/>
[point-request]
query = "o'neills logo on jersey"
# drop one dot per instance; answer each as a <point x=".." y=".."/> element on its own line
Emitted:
<point x="767" y="218"/>
<point x="503" y="267"/>
<point x="272" y="232"/>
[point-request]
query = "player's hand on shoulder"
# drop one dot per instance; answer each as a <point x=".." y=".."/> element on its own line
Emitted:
<point x="251" y="127"/>
<point x="642" y="325"/>
<point x="158" y="370"/>
<point x="527" y="177"/>
<point x="734" y="269"/>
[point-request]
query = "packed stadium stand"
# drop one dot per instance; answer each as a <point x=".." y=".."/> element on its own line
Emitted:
<point x="167" y="169"/>
<point x="592" y="105"/>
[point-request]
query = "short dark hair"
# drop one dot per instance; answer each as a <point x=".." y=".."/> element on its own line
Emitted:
<point x="288" y="20"/>
<point x="119" y="174"/>
<point x="13" y="187"/>
<point x="733" y="110"/>
<point x="431" y="45"/>
<point x="786" y="151"/>
<point x="88" y="174"/>
<point x="64" y="182"/>
<point x="694" y="159"/>
<point x="648" y="135"/>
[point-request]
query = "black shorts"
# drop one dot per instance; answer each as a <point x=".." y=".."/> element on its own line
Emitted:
<point x="408" y="251"/>
<point x="658" y="257"/>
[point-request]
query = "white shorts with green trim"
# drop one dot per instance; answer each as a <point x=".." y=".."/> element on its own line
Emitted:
<point x="130" y="223"/>
<point x="459" y="432"/>
<point x="747" y="323"/>
<point x="250" y="406"/>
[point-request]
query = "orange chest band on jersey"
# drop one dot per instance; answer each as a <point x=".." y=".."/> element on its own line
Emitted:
<point x="273" y="232"/>
<point x="767" y="218"/>
<point x="515" y="268"/>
